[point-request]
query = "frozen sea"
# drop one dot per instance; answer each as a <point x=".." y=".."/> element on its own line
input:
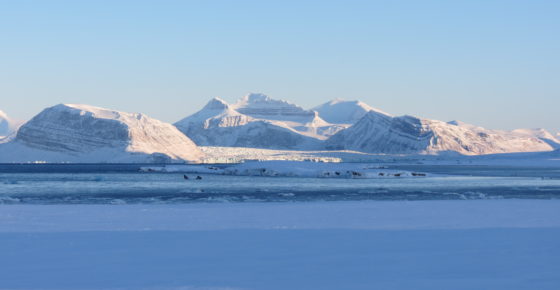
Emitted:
<point x="113" y="227"/>
<point x="124" y="184"/>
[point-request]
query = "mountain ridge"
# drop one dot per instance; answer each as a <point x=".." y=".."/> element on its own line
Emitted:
<point x="335" y="125"/>
<point x="71" y="132"/>
<point x="68" y="132"/>
<point x="256" y="120"/>
<point x="413" y="135"/>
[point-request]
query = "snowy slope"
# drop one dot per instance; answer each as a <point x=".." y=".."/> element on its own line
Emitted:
<point x="378" y="133"/>
<point x="553" y="141"/>
<point x="7" y="125"/>
<point x="286" y="114"/>
<point x="339" y="111"/>
<point x="82" y="133"/>
<point x="263" y="107"/>
<point x="257" y="121"/>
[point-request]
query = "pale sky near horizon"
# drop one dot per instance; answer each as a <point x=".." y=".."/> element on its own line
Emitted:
<point x="491" y="63"/>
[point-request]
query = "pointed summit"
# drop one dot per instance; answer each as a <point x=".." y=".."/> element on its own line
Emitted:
<point x="216" y="104"/>
<point x="215" y="108"/>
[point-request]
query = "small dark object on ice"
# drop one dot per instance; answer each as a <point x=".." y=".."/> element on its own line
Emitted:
<point x="185" y="176"/>
<point x="198" y="177"/>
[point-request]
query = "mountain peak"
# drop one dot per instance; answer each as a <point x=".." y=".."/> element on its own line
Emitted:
<point x="376" y="133"/>
<point x="541" y="134"/>
<point x="84" y="130"/>
<point x="339" y="111"/>
<point x="261" y="100"/>
<point x="83" y="109"/>
<point x="7" y="125"/>
<point x="260" y="105"/>
<point x="216" y="104"/>
<point x="3" y="115"/>
<point x="4" y="124"/>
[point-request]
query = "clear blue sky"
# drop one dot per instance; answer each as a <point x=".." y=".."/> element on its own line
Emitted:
<point x="491" y="63"/>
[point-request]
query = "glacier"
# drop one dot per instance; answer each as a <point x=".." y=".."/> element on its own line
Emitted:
<point x="83" y="133"/>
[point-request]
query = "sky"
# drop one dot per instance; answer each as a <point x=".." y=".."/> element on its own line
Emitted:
<point x="491" y="63"/>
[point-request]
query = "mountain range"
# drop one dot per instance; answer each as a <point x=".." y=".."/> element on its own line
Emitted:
<point x="259" y="121"/>
<point x="83" y="133"/>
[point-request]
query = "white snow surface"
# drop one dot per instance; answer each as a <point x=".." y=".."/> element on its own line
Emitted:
<point x="463" y="245"/>
<point x="238" y="154"/>
<point x="7" y="125"/>
<point x="257" y="121"/>
<point x="264" y="107"/>
<point x="83" y="133"/>
<point x="353" y="131"/>
<point x="4" y="124"/>
<point x="553" y="141"/>
<point x="363" y="215"/>
<point x="340" y="111"/>
<point x="379" y="133"/>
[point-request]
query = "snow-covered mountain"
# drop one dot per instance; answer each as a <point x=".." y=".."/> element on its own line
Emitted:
<point x="380" y="133"/>
<point x="7" y="125"/>
<point x="260" y="106"/>
<point x="546" y="136"/>
<point x="339" y="111"/>
<point x="82" y="133"/>
<point x="257" y="121"/>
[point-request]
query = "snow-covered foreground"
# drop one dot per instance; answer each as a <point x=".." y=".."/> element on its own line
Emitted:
<point x="484" y="244"/>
